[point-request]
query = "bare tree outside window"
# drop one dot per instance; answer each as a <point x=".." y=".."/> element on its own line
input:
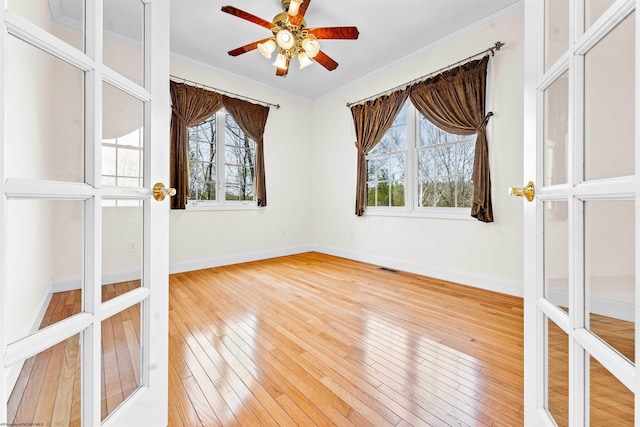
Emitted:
<point x="239" y="162"/>
<point x="202" y="160"/>
<point x="445" y="165"/>
<point x="418" y="165"/>
<point x="386" y="166"/>
<point x="233" y="174"/>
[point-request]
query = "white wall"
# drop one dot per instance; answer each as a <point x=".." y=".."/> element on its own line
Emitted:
<point x="201" y="239"/>
<point x="488" y="255"/>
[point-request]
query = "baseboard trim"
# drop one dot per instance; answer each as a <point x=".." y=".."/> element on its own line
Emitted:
<point x="70" y="283"/>
<point x="503" y="286"/>
<point x="201" y="264"/>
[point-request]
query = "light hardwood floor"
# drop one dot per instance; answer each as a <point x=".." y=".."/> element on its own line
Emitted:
<point x="313" y="339"/>
<point x="318" y="340"/>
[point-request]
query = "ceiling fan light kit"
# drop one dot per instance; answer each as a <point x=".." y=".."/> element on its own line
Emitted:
<point x="291" y="37"/>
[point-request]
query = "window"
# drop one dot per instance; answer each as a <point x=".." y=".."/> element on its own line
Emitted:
<point x="221" y="163"/>
<point x="417" y="167"/>
<point x="122" y="160"/>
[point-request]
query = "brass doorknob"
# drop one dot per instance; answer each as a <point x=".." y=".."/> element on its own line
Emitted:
<point x="528" y="191"/>
<point x="160" y="191"/>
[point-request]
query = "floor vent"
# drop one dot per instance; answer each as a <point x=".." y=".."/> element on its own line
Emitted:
<point x="390" y="270"/>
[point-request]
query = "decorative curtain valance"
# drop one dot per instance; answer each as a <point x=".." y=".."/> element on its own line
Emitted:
<point x="453" y="100"/>
<point x="191" y="106"/>
<point x="372" y="120"/>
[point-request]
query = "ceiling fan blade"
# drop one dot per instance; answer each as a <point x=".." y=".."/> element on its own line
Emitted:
<point x="328" y="63"/>
<point x="247" y="16"/>
<point x="282" y="72"/>
<point x="247" y="48"/>
<point x="297" y="20"/>
<point x="350" y="33"/>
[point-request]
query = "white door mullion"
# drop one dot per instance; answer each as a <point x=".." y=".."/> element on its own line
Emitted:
<point x="91" y="343"/>
<point x="4" y="392"/>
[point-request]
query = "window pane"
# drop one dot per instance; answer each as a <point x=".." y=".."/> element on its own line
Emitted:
<point x="202" y="160"/>
<point x="397" y="193"/>
<point x="122" y="243"/>
<point x="556" y="30"/>
<point x="556" y="253"/>
<point x="108" y="162"/>
<point x="610" y="104"/>
<point x="609" y="246"/>
<point x="611" y="403"/>
<point x="426" y="163"/>
<point x="593" y="9"/>
<point x="66" y="21"/>
<point x="121" y="355"/>
<point x="383" y="168"/>
<point x="396" y="167"/>
<point x="557" y="373"/>
<point x="556" y="131"/>
<point x="427" y="193"/>
<point x="45" y="124"/>
<point x="371" y="194"/>
<point x="45" y="264"/>
<point x="123" y="38"/>
<point x="446" y="192"/>
<point x="383" y="194"/>
<point x="464" y="196"/>
<point x="122" y="125"/>
<point x="48" y="389"/>
<point x="371" y="170"/>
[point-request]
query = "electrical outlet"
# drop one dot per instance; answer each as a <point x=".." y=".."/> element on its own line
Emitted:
<point x="132" y="246"/>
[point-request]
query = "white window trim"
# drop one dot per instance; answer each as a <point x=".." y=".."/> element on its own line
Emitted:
<point x="221" y="205"/>
<point x="411" y="208"/>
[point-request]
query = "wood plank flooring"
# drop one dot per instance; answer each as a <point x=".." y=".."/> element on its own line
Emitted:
<point x="315" y="340"/>
<point x="48" y="387"/>
<point x="318" y="340"/>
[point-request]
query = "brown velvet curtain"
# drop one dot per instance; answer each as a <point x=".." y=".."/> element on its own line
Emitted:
<point x="252" y="119"/>
<point x="372" y="120"/>
<point x="190" y="106"/>
<point x="455" y="102"/>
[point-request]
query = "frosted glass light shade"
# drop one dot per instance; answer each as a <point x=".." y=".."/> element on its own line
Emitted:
<point x="294" y="7"/>
<point x="311" y="47"/>
<point x="281" y="62"/>
<point x="304" y="60"/>
<point x="267" y="48"/>
<point x="285" y="39"/>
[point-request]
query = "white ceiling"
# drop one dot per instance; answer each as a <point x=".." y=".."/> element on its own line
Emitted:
<point x="389" y="30"/>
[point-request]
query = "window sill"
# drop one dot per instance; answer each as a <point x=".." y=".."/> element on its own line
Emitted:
<point x="436" y="213"/>
<point x="204" y="206"/>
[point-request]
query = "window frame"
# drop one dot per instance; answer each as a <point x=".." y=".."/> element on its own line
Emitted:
<point x="412" y="207"/>
<point x="221" y="203"/>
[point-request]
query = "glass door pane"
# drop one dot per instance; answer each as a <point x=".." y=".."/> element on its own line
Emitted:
<point x="610" y="279"/>
<point x="609" y="110"/>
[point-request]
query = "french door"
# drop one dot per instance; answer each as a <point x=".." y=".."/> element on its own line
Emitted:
<point x="83" y="241"/>
<point x="581" y="245"/>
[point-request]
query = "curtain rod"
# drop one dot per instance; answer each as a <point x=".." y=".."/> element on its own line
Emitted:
<point x="496" y="47"/>
<point x="224" y="92"/>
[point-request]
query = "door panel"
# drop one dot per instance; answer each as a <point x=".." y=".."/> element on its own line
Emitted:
<point x="580" y="229"/>
<point x="86" y="141"/>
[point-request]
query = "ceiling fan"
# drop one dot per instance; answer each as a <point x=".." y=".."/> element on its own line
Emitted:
<point x="292" y="37"/>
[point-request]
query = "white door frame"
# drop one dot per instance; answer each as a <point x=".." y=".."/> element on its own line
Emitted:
<point x="148" y="403"/>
